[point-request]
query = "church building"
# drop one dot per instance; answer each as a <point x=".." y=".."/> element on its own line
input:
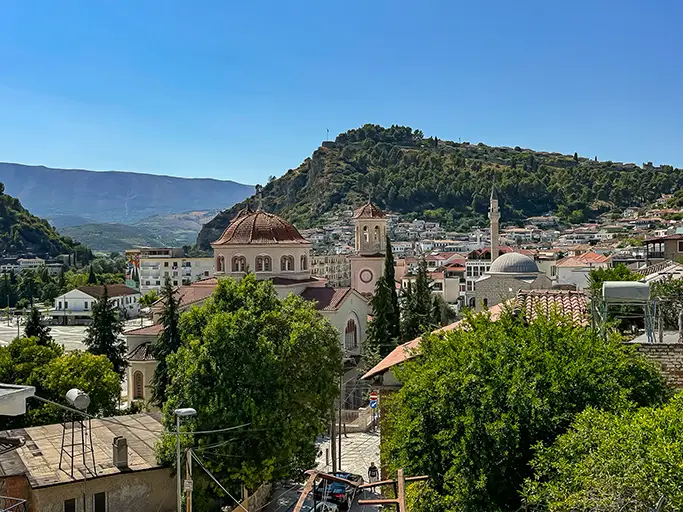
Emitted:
<point x="273" y="249"/>
<point x="370" y="233"/>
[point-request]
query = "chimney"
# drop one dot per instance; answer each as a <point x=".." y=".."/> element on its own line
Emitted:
<point x="120" y="452"/>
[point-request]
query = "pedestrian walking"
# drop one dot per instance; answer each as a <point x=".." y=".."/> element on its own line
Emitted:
<point x="373" y="473"/>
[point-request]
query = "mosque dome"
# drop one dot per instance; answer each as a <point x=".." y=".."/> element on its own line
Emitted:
<point x="513" y="263"/>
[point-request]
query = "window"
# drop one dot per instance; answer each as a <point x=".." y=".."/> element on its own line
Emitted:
<point x="376" y="234"/>
<point x="264" y="264"/>
<point x="366" y="235"/>
<point x="680" y="246"/>
<point x="239" y="264"/>
<point x="166" y="274"/>
<point x="146" y="283"/>
<point x="485" y="303"/>
<point x="70" y="505"/>
<point x="175" y="283"/>
<point x="220" y="264"/>
<point x="60" y="305"/>
<point x="350" y="335"/>
<point x="138" y="386"/>
<point x="158" y="283"/>
<point x="165" y="263"/>
<point x="469" y="271"/>
<point x="287" y="263"/>
<point x="304" y="263"/>
<point x="99" y="502"/>
<point x="66" y="304"/>
<point x="206" y="273"/>
<point x="85" y="305"/>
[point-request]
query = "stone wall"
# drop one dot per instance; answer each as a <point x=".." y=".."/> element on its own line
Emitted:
<point x="670" y="358"/>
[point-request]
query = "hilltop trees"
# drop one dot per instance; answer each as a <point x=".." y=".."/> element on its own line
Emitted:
<point x="250" y="357"/>
<point x="476" y="402"/>
<point x="102" y="335"/>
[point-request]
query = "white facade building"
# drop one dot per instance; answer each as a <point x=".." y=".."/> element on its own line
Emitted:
<point x="75" y="306"/>
<point x="156" y="265"/>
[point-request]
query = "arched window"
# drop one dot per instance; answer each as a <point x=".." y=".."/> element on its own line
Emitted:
<point x="473" y="303"/>
<point x="138" y="386"/>
<point x="376" y="234"/>
<point x="239" y="264"/>
<point x="220" y="263"/>
<point x="287" y="263"/>
<point x="351" y="335"/>
<point x="366" y="235"/>
<point x="304" y="262"/>
<point x="263" y="264"/>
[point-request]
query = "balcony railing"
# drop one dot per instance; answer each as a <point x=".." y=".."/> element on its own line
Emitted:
<point x="8" y="504"/>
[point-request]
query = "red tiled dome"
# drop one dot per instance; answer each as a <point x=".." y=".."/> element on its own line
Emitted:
<point x="259" y="227"/>
<point x="368" y="211"/>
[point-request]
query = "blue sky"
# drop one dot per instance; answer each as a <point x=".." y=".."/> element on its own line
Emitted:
<point x="244" y="90"/>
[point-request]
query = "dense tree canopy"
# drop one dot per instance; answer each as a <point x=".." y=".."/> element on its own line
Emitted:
<point x="450" y="182"/>
<point x="248" y="356"/>
<point x="612" y="462"/>
<point x="475" y="403"/>
<point x="167" y="343"/>
<point x="27" y="362"/>
<point x="35" y="329"/>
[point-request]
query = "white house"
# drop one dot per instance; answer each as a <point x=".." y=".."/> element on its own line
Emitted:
<point x="574" y="270"/>
<point x="75" y="306"/>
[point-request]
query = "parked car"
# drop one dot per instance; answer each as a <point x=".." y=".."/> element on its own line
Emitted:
<point x="337" y="492"/>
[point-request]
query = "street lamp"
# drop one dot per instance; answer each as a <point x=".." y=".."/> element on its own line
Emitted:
<point x="184" y="412"/>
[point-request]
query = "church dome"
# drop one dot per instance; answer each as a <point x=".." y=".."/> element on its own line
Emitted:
<point x="513" y="263"/>
<point x="259" y="228"/>
<point x="368" y="211"/>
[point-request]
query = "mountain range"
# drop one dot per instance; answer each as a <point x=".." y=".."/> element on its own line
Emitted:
<point x="450" y="182"/>
<point x="75" y="197"/>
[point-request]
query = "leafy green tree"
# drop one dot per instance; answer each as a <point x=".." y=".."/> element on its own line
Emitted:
<point x="149" y="298"/>
<point x="102" y="335"/>
<point x="167" y="343"/>
<point x="610" y="462"/>
<point x="670" y="293"/>
<point x="417" y="308"/>
<point x="92" y="278"/>
<point x="478" y="400"/>
<point x="28" y="286"/>
<point x="8" y="291"/>
<point x="35" y="329"/>
<point x="26" y="362"/>
<point x="442" y="314"/>
<point x="248" y="356"/>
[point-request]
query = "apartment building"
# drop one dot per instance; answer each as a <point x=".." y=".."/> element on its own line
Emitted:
<point x="157" y="264"/>
<point x="336" y="268"/>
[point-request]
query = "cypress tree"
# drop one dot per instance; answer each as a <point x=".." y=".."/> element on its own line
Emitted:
<point x="394" y="315"/>
<point x="35" y="329"/>
<point x="92" y="278"/>
<point x="167" y="343"/>
<point x="102" y="335"/>
<point x="417" y="313"/>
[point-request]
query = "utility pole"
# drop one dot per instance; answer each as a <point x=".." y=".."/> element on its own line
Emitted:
<point x="341" y="403"/>
<point x="188" y="480"/>
<point x="333" y="439"/>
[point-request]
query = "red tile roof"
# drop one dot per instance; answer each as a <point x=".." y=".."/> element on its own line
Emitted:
<point x="142" y="352"/>
<point x="535" y="302"/>
<point x="582" y="260"/>
<point x="259" y="228"/>
<point x="410" y="349"/>
<point x="113" y="290"/>
<point x="326" y="298"/>
<point x="149" y="330"/>
<point x="368" y="211"/>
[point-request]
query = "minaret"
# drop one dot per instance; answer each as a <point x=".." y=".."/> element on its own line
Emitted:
<point x="494" y="217"/>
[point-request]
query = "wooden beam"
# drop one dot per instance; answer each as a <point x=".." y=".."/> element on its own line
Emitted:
<point x="307" y="489"/>
<point x="378" y="501"/>
<point x="333" y="478"/>
<point x="390" y="482"/>
<point x="401" y="491"/>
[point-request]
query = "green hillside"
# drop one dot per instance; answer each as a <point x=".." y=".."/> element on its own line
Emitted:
<point x="21" y="232"/>
<point x="450" y="182"/>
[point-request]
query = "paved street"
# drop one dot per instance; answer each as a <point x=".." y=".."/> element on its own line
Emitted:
<point x="358" y="450"/>
<point x="70" y="336"/>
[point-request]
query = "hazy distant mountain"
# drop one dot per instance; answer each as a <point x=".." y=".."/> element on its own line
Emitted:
<point x="71" y="197"/>
<point x="173" y="230"/>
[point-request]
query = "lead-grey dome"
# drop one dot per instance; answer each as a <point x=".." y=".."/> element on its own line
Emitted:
<point x="513" y="263"/>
